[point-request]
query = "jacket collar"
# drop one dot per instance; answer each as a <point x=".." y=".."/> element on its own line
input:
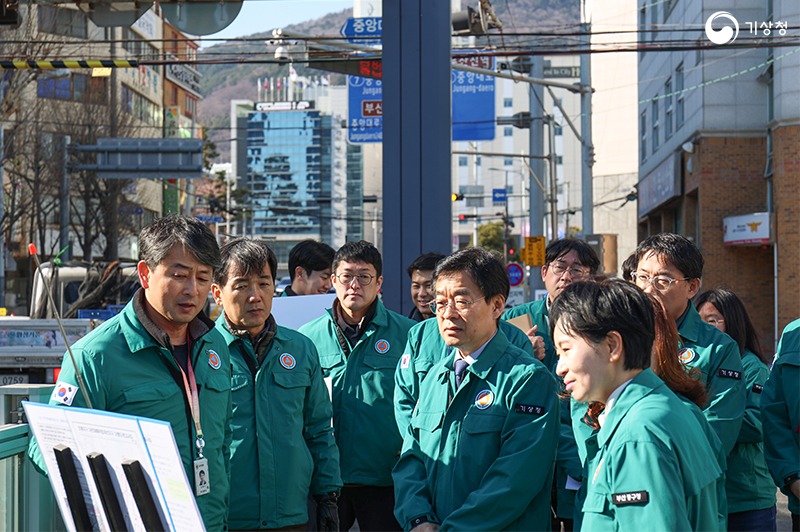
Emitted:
<point x="691" y="324"/>
<point x="493" y="351"/>
<point x="640" y="386"/>
<point x="141" y="332"/>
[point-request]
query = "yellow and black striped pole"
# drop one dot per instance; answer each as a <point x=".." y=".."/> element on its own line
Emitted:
<point x="53" y="65"/>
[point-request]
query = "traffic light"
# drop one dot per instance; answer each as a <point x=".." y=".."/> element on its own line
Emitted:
<point x="456" y="197"/>
<point x="511" y="251"/>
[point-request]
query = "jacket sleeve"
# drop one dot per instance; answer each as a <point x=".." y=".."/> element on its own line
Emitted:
<point x="412" y="497"/>
<point x="755" y="375"/>
<point x="90" y="370"/>
<point x="528" y="444"/>
<point x="318" y="432"/>
<point x="779" y="415"/>
<point x="726" y="395"/>
<point x="406" y="387"/>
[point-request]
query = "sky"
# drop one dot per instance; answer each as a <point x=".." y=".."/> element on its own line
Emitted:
<point x="263" y="15"/>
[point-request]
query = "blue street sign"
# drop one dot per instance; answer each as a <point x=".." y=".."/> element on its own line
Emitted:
<point x="499" y="195"/>
<point x="361" y="29"/>
<point x="515" y="274"/>
<point x="473" y="101"/>
<point x="364" y="109"/>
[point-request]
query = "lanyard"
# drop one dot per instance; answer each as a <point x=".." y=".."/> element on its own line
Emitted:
<point x="193" y="398"/>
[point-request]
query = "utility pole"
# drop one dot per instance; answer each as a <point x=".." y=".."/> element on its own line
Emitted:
<point x="587" y="149"/>
<point x="63" y="233"/>
<point x="536" y="150"/>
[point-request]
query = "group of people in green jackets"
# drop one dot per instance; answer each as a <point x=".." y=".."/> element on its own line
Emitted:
<point x="620" y="405"/>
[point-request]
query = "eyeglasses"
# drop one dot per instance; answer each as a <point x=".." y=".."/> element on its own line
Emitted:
<point x="363" y="279"/>
<point x="461" y="305"/>
<point x="715" y="321"/>
<point x="576" y="272"/>
<point x="659" y="282"/>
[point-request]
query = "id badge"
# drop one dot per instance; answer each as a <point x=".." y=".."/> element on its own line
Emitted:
<point x="202" y="484"/>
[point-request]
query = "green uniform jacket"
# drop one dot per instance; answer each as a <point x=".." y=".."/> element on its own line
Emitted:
<point x="283" y="444"/>
<point x="539" y="316"/>
<point x="586" y="438"/>
<point x="128" y="372"/>
<point x="748" y="483"/>
<point x="363" y="388"/>
<point x="652" y="468"/>
<point x="481" y="458"/>
<point x="717" y="356"/>
<point x="780" y="413"/>
<point x="568" y="462"/>
<point x="416" y="362"/>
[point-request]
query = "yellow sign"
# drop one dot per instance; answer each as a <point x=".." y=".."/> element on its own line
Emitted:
<point x="533" y="252"/>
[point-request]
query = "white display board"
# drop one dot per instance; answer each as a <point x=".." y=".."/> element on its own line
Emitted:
<point x="294" y="312"/>
<point x="119" y="438"/>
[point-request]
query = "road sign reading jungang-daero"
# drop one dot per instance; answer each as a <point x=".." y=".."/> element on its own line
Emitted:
<point x="473" y="100"/>
<point x="365" y="109"/>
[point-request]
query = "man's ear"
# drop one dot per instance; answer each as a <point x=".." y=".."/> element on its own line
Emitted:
<point x="498" y="304"/>
<point x="299" y="272"/>
<point x="144" y="274"/>
<point x="216" y="293"/>
<point x="616" y="349"/>
<point x="694" y="286"/>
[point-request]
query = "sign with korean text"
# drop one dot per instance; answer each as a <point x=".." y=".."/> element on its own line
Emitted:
<point x="748" y="229"/>
<point x="365" y="110"/>
<point x="473" y="100"/>
<point x="363" y="30"/>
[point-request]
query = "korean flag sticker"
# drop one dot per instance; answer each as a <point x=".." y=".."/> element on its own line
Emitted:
<point x="288" y="361"/>
<point x="213" y="359"/>
<point x="484" y="399"/>
<point x="405" y="360"/>
<point x="686" y="355"/>
<point x="382" y="346"/>
<point x="64" y="393"/>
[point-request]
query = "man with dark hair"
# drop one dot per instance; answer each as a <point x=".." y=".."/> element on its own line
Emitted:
<point x="309" y="268"/>
<point x="359" y="343"/>
<point x="421" y="273"/>
<point x="479" y="454"/>
<point x="567" y="261"/>
<point x="282" y="440"/>
<point x="162" y="358"/>
<point x="670" y="267"/>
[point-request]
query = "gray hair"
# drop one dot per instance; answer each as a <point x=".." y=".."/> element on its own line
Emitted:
<point x="159" y="237"/>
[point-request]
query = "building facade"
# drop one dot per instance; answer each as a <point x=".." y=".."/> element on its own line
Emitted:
<point x="719" y="131"/>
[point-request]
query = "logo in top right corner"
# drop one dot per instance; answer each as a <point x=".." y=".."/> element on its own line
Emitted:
<point x="727" y="33"/>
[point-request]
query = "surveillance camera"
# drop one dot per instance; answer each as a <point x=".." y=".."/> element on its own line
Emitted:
<point x="282" y="54"/>
<point x="688" y="147"/>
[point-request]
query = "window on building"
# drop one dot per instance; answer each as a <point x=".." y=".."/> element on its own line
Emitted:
<point x="508" y="131"/>
<point x="643" y="135"/>
<point x="508" y="161"/>
<point x="478" y="160"/>
<point x="559" y="160"/>
<point x="62" y="21"/>
<point x="462" y="160"/>
<point x="68" y="86"/>
<point x="653" y="20"/>
<point x="190" y="108"/>
<point x="139" y="107"/>
<point x="508" y="102"/>
<point x="654" y="120"/>
<point x="668" y="109"/>
<point x="137" y="47"/>
<point x="558" y="131"/>
<point x="668" y="7"/>
<point x="642" y="27"/>
<point x="679" y="96"/>
<point x="698" y="53"/>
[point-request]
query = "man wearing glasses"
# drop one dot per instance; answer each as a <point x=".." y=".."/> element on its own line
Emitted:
<point x="360" y="343"/>
<point x="483" y="437"/>
<point x="567" y="261"/>
<point x="670" y="267"/>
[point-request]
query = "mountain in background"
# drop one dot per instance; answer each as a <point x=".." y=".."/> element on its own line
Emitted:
<point x="227" y="75"/>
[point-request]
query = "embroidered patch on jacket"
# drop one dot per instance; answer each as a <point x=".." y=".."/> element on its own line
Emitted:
<point x="288" y="361"/>
<point x="757" y="388"/>
<point x="64" y="393"/>
<point x="405" y="360"/>
<point x="730" y="374"/>
<point x="529" y="409"/>
<point x="631" y="497"/>
<point x="382" y="346"/>
<point x="686" y="355"/>
<point x="213" y="359"/>
<point x="484" y="399"/>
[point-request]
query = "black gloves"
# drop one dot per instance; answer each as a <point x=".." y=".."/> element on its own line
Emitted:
<point x="327" y="512"/>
